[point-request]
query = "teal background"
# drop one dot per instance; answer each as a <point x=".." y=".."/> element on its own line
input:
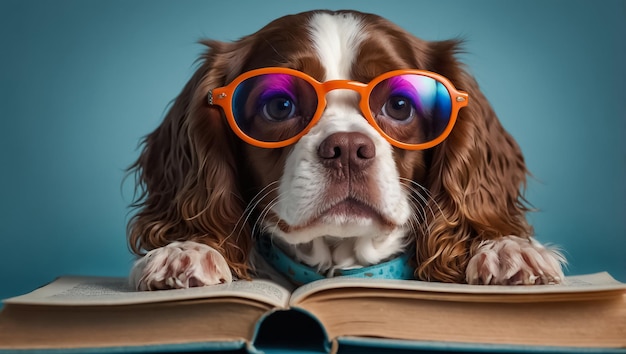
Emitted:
<point x="82" y="81"/>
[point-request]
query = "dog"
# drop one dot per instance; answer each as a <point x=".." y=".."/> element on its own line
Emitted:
<point x="343" y="141"/>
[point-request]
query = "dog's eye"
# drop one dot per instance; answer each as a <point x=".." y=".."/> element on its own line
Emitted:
<point x="399" y="108"/>
<point x="278" y="109"/>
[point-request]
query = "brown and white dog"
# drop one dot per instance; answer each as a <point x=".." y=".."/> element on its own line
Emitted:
<point x="341" y="196"/>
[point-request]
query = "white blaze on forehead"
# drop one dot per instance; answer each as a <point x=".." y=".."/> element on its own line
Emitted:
<point x="337" y="39"/>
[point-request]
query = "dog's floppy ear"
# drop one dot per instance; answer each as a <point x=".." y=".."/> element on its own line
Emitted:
<point x="476" y="177"/>
<point x="186" y="175"/>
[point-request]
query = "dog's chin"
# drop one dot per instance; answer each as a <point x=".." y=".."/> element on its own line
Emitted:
<point x="346" y="219"/>
<point x="350" y="209"/>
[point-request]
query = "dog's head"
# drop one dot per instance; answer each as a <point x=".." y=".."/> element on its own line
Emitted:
<point x="332" y="126"/>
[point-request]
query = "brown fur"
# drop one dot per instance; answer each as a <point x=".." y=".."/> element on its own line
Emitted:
<point x="475" y="178"/>
<point x="195" y="178"/>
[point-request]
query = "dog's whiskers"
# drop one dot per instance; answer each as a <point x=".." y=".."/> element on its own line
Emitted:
<point x="263" y="215"/>
<point x="247" y="213"/>
<point x="420" y="198"/>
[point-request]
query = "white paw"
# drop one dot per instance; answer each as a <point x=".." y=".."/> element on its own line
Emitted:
<point x="513" y="260"/>
<point x="180" y="265"/>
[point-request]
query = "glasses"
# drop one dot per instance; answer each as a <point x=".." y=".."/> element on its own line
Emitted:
<point x="275" y="107"/>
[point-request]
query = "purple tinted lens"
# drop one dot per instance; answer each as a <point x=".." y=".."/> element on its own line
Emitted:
<point x="273" y="107"/>
<point x="411" y="108"/>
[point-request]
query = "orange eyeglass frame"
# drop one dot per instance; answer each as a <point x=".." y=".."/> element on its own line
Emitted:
<point x="223" y="96"/>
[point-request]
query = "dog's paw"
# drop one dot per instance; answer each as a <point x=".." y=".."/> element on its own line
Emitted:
<point x="180" y="265"/>
<point x="513" y="260"/>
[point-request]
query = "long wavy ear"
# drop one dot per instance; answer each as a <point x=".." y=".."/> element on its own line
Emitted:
<point x="186" y="175"/>
<point x="476" y="177"/>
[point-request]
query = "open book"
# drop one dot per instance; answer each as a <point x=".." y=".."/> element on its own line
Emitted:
<point x="587" y="311"/>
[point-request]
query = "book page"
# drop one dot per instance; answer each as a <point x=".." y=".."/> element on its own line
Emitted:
<point x="573" y="284"/>
<point x="103" y="291"/>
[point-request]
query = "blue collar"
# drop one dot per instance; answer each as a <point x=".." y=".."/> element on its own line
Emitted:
<point x="299" y="273"/>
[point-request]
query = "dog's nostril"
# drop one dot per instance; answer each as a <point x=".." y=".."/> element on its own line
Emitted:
<point x="366" y="151"/>
<point x="336" y="152"/>
<point x="333" y="146"/>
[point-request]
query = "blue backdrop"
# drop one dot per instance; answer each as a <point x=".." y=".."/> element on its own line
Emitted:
<point x="82" y="81"/>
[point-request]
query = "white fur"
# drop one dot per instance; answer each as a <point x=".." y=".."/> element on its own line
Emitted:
<point x="342" y="241"/>
<point x="337" y="39"/>
<point x="180" y="265"/>
<point x="513" y="260"/>
<point x="338" y="241"/>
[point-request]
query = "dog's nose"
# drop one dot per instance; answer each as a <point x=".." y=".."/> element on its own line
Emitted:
<point x="344" y="150"/>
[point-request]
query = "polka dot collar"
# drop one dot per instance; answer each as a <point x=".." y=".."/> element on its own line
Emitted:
<point x="299" y="273"/>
